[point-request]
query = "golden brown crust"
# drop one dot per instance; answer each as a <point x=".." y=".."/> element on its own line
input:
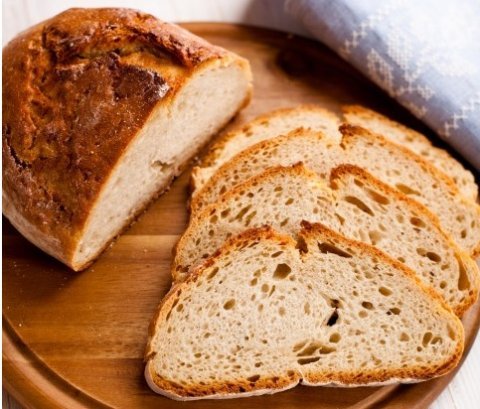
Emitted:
<point x="77" y="89"/>
<point x="239" y="387"/>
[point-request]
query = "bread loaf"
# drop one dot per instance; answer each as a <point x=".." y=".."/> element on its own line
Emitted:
<point x="102" y="109"/>
<point x="355" y="205"/>
<point x="267" y="313"/>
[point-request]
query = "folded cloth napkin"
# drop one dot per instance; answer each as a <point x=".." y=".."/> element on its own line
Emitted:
<point x="424" y="53"/>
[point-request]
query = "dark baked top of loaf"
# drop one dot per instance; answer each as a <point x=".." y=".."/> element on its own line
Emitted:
<point x="76" y="90"/>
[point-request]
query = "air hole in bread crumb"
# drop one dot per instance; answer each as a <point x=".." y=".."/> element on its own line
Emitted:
<point x="333" y="319"/>
<point x="253" y="378"/>
<point x="394" y="311"/>
<point x="213" y="273"/>
<point x="406" y="189"/>
<point x="250" y="217"/>
<point x="404" y="337"/>
<point x="289" y="201"/>
<point x="305" y="361"/>
<point x="301" y="245"/>
<point x="427" y="337"/>
<point x="375" y="236"/>
<point x="451" y="333"/>
<point x="258" y="364"/>
<point x="324" y="350"/>
<point x="162" y="166"/>
<point x="436" y="340"/>
<point x="401" y="259"/>
<point x="443" y="284"/>
<point x="359" y="204"/>
<point x="265" y="288"/>
<point x="335" y="337"/>
<point x="463" y="281"/>
<point x="225" y="213"/>
<point x="417" y="222"/>
<point x="254" y="282"/>
<point x="306" y="308"/>
<point x="281" y="311"/>
<point x="299" y="346"/>
<point x="340" y="219"/>
<point x="385" y="291"/>
<point x="326" y="248"/>
<point x="284" y="222"/>
<point x="362" y="314"/>
<point x="229" y="304"/>
<point x="367" y="305"/>
<point x="242" y="212"/>
<point x="276" y="254"/>
<point x="282" y="271"/>
<point x="380" y="199"/>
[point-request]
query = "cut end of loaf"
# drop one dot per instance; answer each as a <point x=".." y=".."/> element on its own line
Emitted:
<point x="162" y="148"/>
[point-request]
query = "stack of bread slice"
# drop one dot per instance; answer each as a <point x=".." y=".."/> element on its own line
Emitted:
<point x="320" y="250"/>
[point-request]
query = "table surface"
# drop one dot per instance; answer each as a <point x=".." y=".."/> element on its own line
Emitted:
<point x="463" y="392"/>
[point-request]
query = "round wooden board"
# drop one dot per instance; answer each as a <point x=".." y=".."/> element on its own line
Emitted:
<point x="77" y="340"/>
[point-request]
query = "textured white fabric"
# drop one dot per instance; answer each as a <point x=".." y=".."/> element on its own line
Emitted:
<point x="424" y="53"/>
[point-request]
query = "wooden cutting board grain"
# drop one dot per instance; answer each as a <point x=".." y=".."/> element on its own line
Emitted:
<point x="77" y="339"/>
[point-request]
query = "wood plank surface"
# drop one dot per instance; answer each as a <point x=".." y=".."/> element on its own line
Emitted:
<point x="77" y="340"/>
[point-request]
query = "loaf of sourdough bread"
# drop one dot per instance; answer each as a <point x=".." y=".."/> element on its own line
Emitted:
<point x="355" y="205"/>
<point x="387" y="161"/>
<point x="267" y="313"/>
<point x="102" y="109"/>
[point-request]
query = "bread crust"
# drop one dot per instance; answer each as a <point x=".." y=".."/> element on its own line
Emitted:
<point x="240" y="388"/>
<point x="110" y="68"/>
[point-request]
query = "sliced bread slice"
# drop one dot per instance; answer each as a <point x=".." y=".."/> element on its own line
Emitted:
<point x="270" y="125"/>
<point x="403" y="170"/>
<point x="355" y="205"/>
<point x="416" y="142"/>
<point x="267" y="313"/>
